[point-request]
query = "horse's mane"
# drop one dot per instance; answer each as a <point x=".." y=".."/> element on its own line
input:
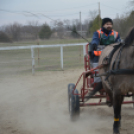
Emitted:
<point x="129" y="38"/>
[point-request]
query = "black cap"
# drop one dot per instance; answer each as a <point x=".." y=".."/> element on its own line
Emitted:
<point x="105" y="20"/>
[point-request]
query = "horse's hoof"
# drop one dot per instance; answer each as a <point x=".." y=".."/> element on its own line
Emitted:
<point x="116" y="131"/>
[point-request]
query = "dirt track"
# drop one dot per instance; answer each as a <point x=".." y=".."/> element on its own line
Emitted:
<point x="38" y="105"/>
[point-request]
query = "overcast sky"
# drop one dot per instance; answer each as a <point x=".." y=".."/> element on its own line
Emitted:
<point x="18" y="10"/>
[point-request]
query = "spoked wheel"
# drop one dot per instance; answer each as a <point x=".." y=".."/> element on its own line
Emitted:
<point x="73" y="102"/>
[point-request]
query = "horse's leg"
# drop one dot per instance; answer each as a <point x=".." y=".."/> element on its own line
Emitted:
<point x="122" y="98"/>
<point x="117" y="112"/>
<point x="110" y="99"/>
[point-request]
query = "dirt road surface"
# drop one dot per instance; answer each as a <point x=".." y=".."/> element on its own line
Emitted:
<point x="38" y="105"/>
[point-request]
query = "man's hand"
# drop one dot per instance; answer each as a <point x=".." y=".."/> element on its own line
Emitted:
<point x="94" y="47"/>
<point x="90" y="54"/>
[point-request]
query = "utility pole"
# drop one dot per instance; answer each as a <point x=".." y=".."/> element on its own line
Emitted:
<point x="81" y="33"/>
<point x="38" y="49"/>
<point x="99" y="14"/>
<point x="80" y="24"/>
<point x="38" y="52"/>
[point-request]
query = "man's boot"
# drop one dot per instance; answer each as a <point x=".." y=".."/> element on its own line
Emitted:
<point x="97" y="88"/>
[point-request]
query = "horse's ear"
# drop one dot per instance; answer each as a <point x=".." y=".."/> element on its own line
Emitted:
<point x="130" y="37"/>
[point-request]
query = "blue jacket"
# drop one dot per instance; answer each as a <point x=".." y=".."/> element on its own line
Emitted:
<point x="96" y="39"/>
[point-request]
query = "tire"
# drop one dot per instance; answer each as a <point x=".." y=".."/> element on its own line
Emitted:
<point x="133" y="100"/>
<point x="73" y="102"/>
<point x="70" y="87"/>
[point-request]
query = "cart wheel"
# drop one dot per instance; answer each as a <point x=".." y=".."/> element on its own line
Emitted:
<point x="70" y="87"/>
<point x="133" y="100"/>
<point x="73" y="102"/>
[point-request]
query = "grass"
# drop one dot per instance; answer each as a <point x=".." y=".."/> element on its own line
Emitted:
<point x="19" y="61"/>
<point x="44" y="42"/>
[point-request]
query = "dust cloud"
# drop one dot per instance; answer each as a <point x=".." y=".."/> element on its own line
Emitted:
<point x="38" y="105"/>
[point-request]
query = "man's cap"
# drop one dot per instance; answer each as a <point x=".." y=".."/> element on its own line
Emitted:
<point x="105" y="20"/>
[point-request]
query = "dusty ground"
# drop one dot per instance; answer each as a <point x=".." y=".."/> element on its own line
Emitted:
<point x="38" y="105"/>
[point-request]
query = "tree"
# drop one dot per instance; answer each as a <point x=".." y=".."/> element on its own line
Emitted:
<point x="120" y="24"/>
<point x="4" y="37"/>
<point x="93" y="14"/>
<point x="45" y="32"/>
<point x="14" y="31"/>
<point x="77" y="24"/>
<point x="130" y="19"/>
<point x="74" y="32"/>
<point x="94" y="25"/>
<point x="124" y="23"/>
<point x="67" y="22"/>
<point x="33" y="28"/>
<point x="94" y="22"/>
<point x="60" y="29"/>
<point x="89" y="25"/>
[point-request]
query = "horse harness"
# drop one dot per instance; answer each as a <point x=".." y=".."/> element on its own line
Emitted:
<point x="115" y="69"/>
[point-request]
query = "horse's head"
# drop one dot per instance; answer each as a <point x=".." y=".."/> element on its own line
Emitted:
<point x="129" y="41"/>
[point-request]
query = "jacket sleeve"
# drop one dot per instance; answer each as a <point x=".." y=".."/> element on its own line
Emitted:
<point x="118" y="39"/>
<point x="95" y="40"/>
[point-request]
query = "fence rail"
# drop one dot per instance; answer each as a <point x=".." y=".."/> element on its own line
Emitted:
<point x="32" y="47"/>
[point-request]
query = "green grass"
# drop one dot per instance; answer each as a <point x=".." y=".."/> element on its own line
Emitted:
<point x="44" y="42"/>
<point x="19" y="61"/>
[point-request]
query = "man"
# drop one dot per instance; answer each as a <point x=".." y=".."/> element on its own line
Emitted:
<point x="102" y="37"/>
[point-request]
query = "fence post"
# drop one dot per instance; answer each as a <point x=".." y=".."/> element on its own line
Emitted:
<point x="84" y="50"/>
<point x="61" y="56"/>
<point x="33" y="62"/>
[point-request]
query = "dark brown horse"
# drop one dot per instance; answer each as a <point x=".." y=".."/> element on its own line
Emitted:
<point x="118" y="85"/>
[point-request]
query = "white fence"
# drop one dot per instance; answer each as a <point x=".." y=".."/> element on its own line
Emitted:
<point x="32" y="47"/>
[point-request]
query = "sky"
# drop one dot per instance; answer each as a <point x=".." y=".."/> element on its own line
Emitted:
<point x="24" y="11"/>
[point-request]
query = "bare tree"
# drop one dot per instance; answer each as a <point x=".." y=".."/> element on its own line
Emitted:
<point x="2" y="28"/>
<point x="76" y="22"/>
<point x="86" y="25"/>
<point x="60" y="23"/>
<point x="14" y="30"/>
<point x="123" y="23"/>
<point x="67" y="22"/>
<point x="59" y="26"/>
<point x="33" y="28"/>
<point x="93" y="14"/>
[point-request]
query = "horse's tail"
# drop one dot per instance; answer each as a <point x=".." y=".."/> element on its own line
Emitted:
<point x="130" y="37"/>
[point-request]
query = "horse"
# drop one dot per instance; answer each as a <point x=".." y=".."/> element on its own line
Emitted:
<point x="118" y="85"/>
